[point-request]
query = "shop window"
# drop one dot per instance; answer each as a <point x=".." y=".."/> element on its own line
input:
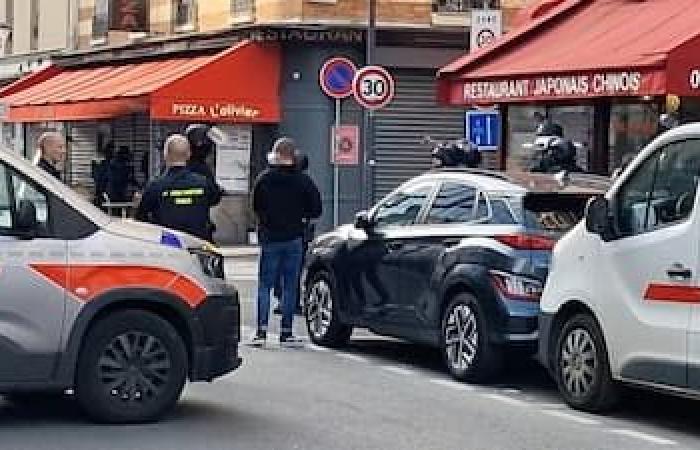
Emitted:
<point x="100" y="22"/>
<point x="632" y="127"/>
<point x="243" y="10"/>
<point x="185" y="15"/>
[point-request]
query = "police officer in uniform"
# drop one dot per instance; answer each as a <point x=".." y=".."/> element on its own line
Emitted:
<point x="180" y="199"/>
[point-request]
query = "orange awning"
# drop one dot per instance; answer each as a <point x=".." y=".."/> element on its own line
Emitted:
<point x="583" y="49"/>
<point x="239" y="85"/>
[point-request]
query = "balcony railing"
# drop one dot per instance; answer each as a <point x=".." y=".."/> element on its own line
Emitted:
<point x="463" y="6"/>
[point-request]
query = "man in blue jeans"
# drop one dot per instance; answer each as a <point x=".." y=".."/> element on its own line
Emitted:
<point x="283" y="198"/>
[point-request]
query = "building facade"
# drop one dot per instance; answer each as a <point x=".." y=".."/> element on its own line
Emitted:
<point x="413" y="39"/>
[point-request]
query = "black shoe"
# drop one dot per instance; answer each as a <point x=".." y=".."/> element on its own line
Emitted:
<point x="259" y="339"/>
<point x="277" y="310"/>
<point x="290" y="341"/>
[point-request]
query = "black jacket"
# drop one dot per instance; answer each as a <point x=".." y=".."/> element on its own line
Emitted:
<point x="180" y="199"/>
<point x="282" y="198"/>
<point x="49" y="168"/>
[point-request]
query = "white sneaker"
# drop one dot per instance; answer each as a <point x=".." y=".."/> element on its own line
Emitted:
<point x="291" y="341"/>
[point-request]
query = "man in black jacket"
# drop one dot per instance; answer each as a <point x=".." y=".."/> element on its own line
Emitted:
<point x="283" y="198"/>
<point x="180" y="199"/>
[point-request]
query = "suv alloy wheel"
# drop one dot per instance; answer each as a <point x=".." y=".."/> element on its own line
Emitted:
<point x="320" y="311"/>
<point x="466" y="350"/>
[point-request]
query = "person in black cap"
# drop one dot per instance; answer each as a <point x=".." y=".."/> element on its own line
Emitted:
<point x="202" y="145"/>
<point x="180" y="199"/>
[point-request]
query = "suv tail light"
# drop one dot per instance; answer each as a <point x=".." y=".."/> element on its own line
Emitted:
<point x="527" y="241"/>
<point x="516" y="287"/>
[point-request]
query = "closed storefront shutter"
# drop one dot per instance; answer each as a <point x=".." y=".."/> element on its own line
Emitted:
<point x="83" y="149"/>
<point x="401" y="127"/>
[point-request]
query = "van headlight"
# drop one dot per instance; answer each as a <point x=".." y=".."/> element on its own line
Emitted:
<point x="212" y="263"/>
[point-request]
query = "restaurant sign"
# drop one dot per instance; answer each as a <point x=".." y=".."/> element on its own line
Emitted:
<point x="211" y="111"/>
<point x="603" y="84"/>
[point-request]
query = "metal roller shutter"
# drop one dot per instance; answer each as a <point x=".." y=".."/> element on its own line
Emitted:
<point x="400" y="128"/>
<point x="83" y="149"/>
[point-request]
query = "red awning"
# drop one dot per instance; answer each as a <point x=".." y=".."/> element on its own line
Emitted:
<point x="584" y="49"/>
<point x="239" y="85"/>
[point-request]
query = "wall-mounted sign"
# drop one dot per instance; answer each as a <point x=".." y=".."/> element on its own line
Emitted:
<point x="486" y="27"/>
<point x="610" y="84"/>
<point x="484" y="129"/>
<point x="209" y="111"/>
<point x="129" y="15"/>
<point x="347" y="145"/>
<point x="233" y="158"/>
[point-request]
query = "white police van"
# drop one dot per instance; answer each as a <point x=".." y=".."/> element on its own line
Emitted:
<point x="622" y="302"/>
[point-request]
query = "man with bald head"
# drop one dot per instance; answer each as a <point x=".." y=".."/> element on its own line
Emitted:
<point x="52" y="152"/>
<point x="179" y="199"/>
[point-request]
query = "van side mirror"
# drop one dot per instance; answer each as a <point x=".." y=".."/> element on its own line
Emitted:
<point x="26" y="222"/>
<point x="363" y="221"/>
<point x="598" y="217"/>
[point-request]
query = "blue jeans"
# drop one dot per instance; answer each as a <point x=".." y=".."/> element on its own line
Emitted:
<point x="279" y="259"/>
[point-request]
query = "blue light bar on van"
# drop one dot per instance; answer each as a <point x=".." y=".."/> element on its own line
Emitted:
<point x="170" y="239"/>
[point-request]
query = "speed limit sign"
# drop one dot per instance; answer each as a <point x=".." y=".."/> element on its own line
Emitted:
<point x="373" y="87"/>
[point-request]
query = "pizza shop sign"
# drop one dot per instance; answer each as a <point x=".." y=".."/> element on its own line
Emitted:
<point x="595" y="84"/>
<point x="215" y="111"/>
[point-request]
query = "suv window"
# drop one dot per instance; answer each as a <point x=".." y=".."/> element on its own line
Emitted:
<point x="453" y="204"/>
<point x="662" y="191"/>
<point x="403" y="207"/>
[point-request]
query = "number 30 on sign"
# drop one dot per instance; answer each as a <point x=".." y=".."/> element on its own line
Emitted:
<point x="373" y="87"/>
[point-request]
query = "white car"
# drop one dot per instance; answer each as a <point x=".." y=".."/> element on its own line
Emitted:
<point x="622" y="302"/>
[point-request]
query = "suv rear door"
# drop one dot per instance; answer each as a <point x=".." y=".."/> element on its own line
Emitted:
<point x="32" y="306"/>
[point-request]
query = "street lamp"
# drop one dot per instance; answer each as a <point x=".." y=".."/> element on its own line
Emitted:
<point x="368" y="166"/>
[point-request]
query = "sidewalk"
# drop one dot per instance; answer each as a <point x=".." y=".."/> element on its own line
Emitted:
<point x="243" y="251"/>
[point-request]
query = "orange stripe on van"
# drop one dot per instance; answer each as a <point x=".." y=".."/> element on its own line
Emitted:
<point x="674" y="293"/>
<point x="86" y="282"/>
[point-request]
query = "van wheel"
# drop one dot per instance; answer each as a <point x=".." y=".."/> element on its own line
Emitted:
<point x="582" y="368"/>
<point x="131" y="369"/>
<point x="321" y="313"/>
<point x="466" y="350"/>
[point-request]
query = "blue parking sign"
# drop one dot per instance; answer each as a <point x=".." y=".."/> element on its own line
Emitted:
<point x="484" y="129"/>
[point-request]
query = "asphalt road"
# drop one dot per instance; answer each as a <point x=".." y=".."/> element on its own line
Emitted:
<point x="376" y="394"/>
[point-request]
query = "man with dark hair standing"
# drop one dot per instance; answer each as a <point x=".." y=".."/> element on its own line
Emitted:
<point x="283" y="198"/>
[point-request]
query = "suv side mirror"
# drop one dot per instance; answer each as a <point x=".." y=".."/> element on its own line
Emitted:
<point x="26" y="222"/>
<point x="363" y="221"/>
<point x="598" y="217"/>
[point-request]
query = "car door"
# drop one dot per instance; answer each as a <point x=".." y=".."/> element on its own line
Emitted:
<point x="32" y="306"/>
<point x="648" y="277"/>
<point x="441" y="229"/>
<point x="374" y="256"/>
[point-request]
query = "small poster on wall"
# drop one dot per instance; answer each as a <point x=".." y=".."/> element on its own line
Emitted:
<point x="233" y="158"/>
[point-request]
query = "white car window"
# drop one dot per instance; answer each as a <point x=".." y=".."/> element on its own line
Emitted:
<point x="662" y="191"/>
<point x="454" y="203"/>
